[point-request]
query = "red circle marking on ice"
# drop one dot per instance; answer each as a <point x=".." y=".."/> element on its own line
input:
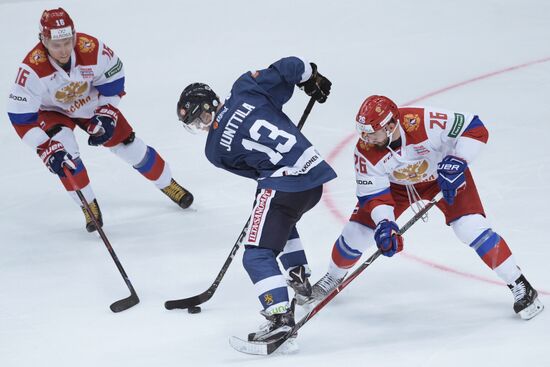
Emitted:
<point x="329" y="202"/>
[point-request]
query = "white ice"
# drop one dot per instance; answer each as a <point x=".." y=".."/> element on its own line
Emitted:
<point x="429" y="306"/>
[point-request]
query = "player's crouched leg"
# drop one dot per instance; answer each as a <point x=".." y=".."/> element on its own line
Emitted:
<point x="152" y="166"/>
<point x="80" y="178"/>
<point x="294" y="261"/>
<point x="346" y="251"/>
<point x="262" y="267"/>
<point x="475" y="231"/>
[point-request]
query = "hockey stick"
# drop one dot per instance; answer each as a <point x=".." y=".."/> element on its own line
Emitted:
<point x="263" y="348"/>
<point x="131" y="300"/>
<point x="207" y="294"/>
<point x="306" y="113"/>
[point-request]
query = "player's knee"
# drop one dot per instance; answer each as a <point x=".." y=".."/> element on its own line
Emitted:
<point x="260" y="262"/>
<point x="66" y="137"/>
<point x="357" y="236"/>
<point x="343" y="256"/>
<point x="255" y="256"/>
<point x="132" y="153"/>
<point x="469" y="227"/>
<point x="351" y="244"/>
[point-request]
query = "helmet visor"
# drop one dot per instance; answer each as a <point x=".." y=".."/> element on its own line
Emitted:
<point x="372" y="136"/>
<point x="201" y="121"/>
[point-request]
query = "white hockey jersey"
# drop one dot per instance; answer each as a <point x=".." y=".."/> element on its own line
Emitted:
<point x="427" y="136"/>
<point x="95" y="78"/>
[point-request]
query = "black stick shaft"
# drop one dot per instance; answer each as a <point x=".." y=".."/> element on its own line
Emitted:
<point x="306" y="113"/>
<point x="103" y="236"/>
<point x="105" y="241"/>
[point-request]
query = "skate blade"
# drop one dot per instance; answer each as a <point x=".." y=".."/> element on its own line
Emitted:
<point x="531" y="311"/>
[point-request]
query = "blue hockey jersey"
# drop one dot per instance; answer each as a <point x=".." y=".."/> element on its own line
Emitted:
<point x="251" y="136"/>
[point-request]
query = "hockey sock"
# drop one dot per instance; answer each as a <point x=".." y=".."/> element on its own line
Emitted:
<point x="343" y="257"/>
<point x="88" y="193"/>
<point x="293" y="253"/>
<point x="145" y="160"/>
<point x="82" y="181"/>
<point x="153" y="167"/>
<point x="494" y="252"/>
<point x="262" y="268"/>
<point x="80" y="176"/>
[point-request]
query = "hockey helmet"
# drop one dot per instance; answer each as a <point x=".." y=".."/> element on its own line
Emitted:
<point x="195" y="99"/>
<point x="374" y="114"/>
<point x="56" y="24"/>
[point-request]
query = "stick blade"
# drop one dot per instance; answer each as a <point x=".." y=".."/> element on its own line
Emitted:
<point x="125" y="303"/>
<point x="186" y="302"/>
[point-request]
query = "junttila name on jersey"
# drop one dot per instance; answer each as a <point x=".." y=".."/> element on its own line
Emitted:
<point x="231" y="128"/>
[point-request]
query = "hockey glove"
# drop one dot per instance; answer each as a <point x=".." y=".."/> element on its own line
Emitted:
<point x="317" y="86"/>
<point x="102" y="125"/>
<point x="387" y="238"/>
<point x="451" y="177"/>
<point x="54" y="156"/>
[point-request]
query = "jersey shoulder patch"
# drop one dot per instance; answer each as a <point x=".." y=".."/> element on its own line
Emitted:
<point x="412" y="122"/>
<point x="86" y="49"/>
<point x="38" y="61"/>
<point x="371" y="152"/>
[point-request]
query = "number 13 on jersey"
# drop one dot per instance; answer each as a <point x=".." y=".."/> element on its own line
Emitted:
<point x="274" y="133"/>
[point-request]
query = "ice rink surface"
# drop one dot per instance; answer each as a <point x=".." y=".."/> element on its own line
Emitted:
<point x="435" y="304"/>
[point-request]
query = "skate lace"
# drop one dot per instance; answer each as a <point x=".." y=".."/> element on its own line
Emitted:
<point x="328" y="283"/>
<point x="519" y="291"/>
<point x="95" y="210"/>
<point x="270" y="324"/>
<point x="174" y="191"/>
<point x="266" y="324"/>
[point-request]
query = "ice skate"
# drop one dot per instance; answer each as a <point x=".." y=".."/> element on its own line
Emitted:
<point x="178" y="194"/>
<point x="526" y="305"/>
<point x="324" y="286"/>
<point x="299" y="281"/>
<point x="90" y="225"/>
<point x="277" y="326"/>
<point x="270" y="336"/>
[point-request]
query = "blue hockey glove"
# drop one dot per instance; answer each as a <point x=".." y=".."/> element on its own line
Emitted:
<point x="451" y="177"/>
<point x="387" y="238"/>
<point x="317" y="86"/>
<point x="54" y="156"/>
<point x="102" y="125"/>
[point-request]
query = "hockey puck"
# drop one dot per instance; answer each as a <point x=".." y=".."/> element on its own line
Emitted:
<point x="194" y="309"/>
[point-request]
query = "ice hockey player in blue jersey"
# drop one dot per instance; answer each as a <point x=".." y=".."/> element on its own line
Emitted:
<point x="250" y="135"/>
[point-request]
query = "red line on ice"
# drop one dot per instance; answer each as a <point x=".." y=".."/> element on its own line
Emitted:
<point x="329" y="202"/>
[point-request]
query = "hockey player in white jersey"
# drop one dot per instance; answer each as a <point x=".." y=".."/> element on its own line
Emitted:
<point x="409" y="154"/>
<point x="72" y="79"/>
